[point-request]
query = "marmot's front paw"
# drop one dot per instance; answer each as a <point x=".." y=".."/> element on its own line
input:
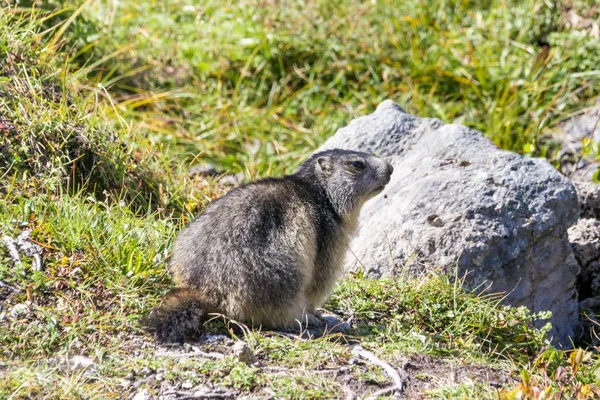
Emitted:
<point x="313" y="320"/>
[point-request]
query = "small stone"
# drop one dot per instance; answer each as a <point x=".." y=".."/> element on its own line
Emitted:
<point x="204" y="170"/>
<point x="216" y="338"/>
<point x="76" y="273"/>
<point x="233" y="180"/>
<point x="124" y="383"/>
<point x="141" y="394"/>
<point x="79" y="363"/>
<point x="159" y="377"/>
<point x="146" y="371"/>
<point x="243" y="353"/>
<point x="19" y="310"/>
<point x="187" y="385"/>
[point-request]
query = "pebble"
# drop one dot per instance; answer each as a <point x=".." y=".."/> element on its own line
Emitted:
<point x="203" y="170"/>
<point x="242" y="352"/>
<point x="141" y="395"/>
<point x="19" y="310"/>
<point x="233" y="180"/>
<point x="216" y="338"/>
<point x="79" y="363"/>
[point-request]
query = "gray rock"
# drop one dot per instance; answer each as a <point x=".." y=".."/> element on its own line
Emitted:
<point x="242" y="352"/>
<point x="457" y="202"/>
<point x="588" y="194"/>
<point x="31" y="249"/>
<point x="570" y="134"/>
<point x="26" y="246"/>
<point x="585" y="241"/>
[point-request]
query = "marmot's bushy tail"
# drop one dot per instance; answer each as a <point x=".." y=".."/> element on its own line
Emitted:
<point x="180" y="315"/>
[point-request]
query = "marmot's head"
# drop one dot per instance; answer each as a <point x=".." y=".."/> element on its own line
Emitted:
<point x="349" y="177"/>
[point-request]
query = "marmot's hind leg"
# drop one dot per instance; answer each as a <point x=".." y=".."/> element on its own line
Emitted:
<point x="290" y="315"/>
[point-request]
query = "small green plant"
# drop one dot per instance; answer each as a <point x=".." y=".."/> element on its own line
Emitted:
<point x="559" y="374"/>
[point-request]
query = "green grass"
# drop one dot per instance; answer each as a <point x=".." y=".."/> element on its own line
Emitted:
<point x="104" y="107"/>
<point x="251" y="85"/>
<point x="436" y="316"/>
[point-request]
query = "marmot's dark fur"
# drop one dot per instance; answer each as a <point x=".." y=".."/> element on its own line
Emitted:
<point x="269" y="252"/>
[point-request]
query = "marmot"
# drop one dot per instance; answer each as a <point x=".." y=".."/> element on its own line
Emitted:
<point x="269" y="252"/>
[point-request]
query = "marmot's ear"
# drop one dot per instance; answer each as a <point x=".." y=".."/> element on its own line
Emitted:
<point x="325" y="164"/>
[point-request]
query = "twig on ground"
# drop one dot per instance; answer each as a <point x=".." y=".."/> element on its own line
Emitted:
<point x="398" y="385"/>
<point x="9" y="287"/>
<point x="218" y="394"/>
<point x="283" y="370"/>
<point x="197" y="353"/>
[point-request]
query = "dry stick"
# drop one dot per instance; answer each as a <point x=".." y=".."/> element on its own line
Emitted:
<point x="213" y="355"/>
<point x="201" y="395"/>
<point x="283" y="370"/>
<point x="11" y="288"/>
<point x="398" y="385"/>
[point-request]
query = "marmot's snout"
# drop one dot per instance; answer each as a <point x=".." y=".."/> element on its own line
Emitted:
<point x="386" y="172"/>
<point x="383" y="173"/>
<point x="390" y="169"/>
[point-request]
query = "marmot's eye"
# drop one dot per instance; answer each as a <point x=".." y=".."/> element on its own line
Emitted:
<point x="358" y="164"/>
